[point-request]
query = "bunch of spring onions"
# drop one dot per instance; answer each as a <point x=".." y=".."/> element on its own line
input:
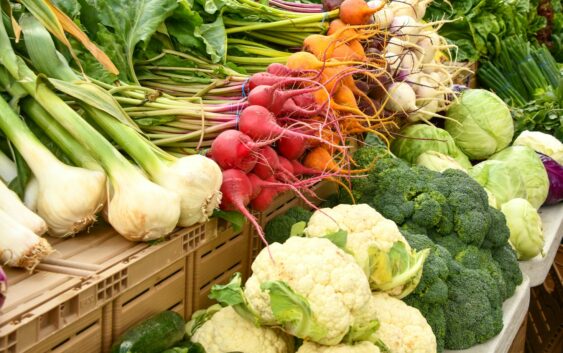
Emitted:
<point x="529" y="80"/>
<point x="180" y="191"/>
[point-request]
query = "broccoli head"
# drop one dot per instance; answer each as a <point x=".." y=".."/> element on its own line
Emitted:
<point x="474" y="309"/>
<point x="367" y="156"/>
<point x="278" y="229"/>
<point x="498" y="231"/>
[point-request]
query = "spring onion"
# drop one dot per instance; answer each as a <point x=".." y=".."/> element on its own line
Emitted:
<point x="20" y="246"/>
<point x="12" y="205"/>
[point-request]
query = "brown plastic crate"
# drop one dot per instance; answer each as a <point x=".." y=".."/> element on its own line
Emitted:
<point x="215" y="262"/>
<point x="103" y="248"/>
<point x="29" y="290"/>
<point x="162" y="291"/>
<point x="545" y="327"/>
<point x="83" y="278"/>
<point x="281" y="205"/>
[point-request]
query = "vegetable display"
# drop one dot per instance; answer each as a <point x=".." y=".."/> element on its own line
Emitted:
<point x="469" y="258"/>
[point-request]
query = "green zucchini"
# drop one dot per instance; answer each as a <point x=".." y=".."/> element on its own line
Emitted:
<point x="153" y="335"/>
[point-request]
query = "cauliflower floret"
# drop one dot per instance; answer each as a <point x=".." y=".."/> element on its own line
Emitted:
<point x="361" y="347"/>
<point x="330" y="281"/>
<point x="226" y="331"/>
<point x="402" y="328"/>
<point x="370" y="237"/>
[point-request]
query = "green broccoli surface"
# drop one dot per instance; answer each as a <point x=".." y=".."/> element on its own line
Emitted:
<point x="278" y="230"/>
<point x="471" y="268"/>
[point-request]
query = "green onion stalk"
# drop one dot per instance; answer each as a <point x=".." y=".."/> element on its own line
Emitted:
<point x="195" y="179"/>
<point x="138" y="209"/>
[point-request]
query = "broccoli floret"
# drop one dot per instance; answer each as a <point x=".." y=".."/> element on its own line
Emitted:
<point x="474" y="309"/>
<point x="452" y="243"/>
<point x="481" y="259"/>
<point x="278" y="229"/>
<point x="428" y="209"/>
<point x="498" y="232"/>
<point x="366" y="157"/>
<point x="299" y="214"/>
<point x="505" y="257"/>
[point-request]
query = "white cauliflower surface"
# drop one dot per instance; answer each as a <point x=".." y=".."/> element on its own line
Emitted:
<point x="361" y="347"/>
<point x="226" y="331"/>
<point x="366" y="229"/>
<point x="314" y="268"/>
<point x="402" y="328"/>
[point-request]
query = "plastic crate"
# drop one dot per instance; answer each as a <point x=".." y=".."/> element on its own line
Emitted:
<point x="162" y="291"/>
<point x="83" y="277"/>
<point x="281" y="205"/>
<point x="215" y="262"/>
<point x="545" y="318"/>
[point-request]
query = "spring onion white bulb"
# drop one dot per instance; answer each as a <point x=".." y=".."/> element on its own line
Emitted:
<point x="19" y="246"/>
<point x="195" y="179"/>
<point x="8" y="170"/>
<point x="12" y="205"/>
<point x="30" y="194"/>
<point x="68" y="197"/>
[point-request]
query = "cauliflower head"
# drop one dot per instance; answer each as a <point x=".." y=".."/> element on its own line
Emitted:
<point x="376" y="243"/>
<point x="402" y="328"/>
<point x="308" y="287"/>
<point x="360" y="347"/>
<point x="226" y="331"/>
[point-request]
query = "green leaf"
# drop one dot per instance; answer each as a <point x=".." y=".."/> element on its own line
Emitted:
<point x="70" y="7"/>
<point x="200" y="317"/>
<point x="181" y="25"/>
<point x="133" y="22"/>
<point x="361" y="332"/>
<point x="235" y="218"/>
<point x="339" y="238"/>
<point x="298" y="229"/>
<point x="229" y="294"/>
<point x="293" y="311"/>
<point x="214" y="36"/>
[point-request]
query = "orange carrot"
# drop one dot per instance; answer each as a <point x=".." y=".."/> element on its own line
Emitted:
<point x="345" y="33"/>
<point x="327" y="47"/>
<point x="357" y="12"/>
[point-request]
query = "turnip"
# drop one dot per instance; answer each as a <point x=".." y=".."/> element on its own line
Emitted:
<point x="405" y="26"/>
<point x="383" y="18"/>
<point x="402" y="98"/>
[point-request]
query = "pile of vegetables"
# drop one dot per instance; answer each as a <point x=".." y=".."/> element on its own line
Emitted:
<point x="81" y="173"/>
<point x="470" y="262"/>
<point x="313" y="293"/>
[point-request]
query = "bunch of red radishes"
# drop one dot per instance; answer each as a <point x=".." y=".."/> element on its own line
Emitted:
<point x="261" y="158"/>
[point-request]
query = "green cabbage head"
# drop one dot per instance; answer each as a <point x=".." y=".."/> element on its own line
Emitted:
<point x="524" y="222"/>
<point x="500" y="179"/>
<point x="481" y="123"/>
<point x="417" y="139"/>
<point x="438" y="162"/>
<point x="530" y="167"/>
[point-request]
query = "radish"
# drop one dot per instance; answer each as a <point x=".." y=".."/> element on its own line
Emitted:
<point x="234" y="149"/>
<point x="267" y="163"/>
<point x="290" y="107"/>
<point x="299" y="169"/>
<point x="237" y="190"/>
<point x="278" y="69"/>
<point x="264" y="199"/>
<point x="273" y="97"/>
<point x="305" y="100"/>
<point x="292" y="147"/>
<point x="286" y="166"/>
<point x="260" y="124"/>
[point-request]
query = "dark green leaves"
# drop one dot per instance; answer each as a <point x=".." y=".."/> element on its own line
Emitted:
<point x="132" y="22"/>
<point x="233" y="217"/>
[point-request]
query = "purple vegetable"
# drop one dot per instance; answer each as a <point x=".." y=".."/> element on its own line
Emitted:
<point x="3" y="286"/>
<point x="555" y="175"/>
<point x="329" y="5"/>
